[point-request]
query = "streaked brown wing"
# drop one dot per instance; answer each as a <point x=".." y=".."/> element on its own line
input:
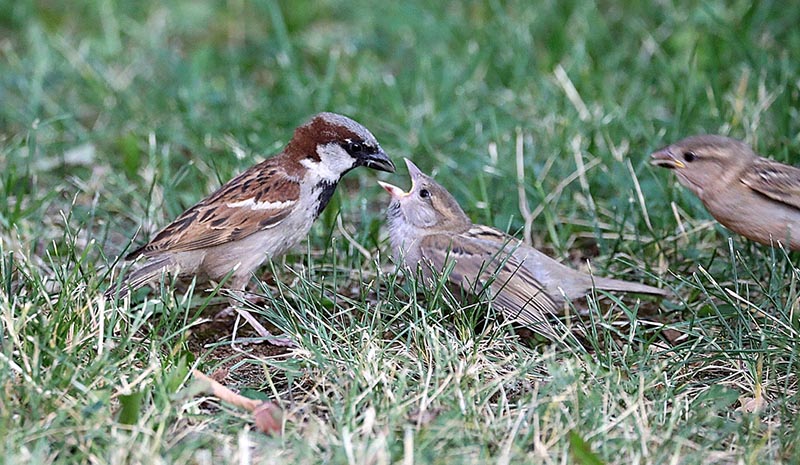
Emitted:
<point x="775" y="180"/>
<point x="478" y="263"/>
<point x="235" y="211"/>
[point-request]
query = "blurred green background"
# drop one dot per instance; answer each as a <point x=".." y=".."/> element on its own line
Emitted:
<point x="185" y="94"/>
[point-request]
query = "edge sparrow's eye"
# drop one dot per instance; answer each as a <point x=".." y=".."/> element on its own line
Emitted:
<point x="424" y="193"/>
<point x="689" y="156"/>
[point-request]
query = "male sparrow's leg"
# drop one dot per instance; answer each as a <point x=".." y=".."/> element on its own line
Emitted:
<point x="238" y="295"/>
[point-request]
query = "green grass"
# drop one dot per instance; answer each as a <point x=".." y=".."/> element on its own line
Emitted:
<point x="116" y="116"/>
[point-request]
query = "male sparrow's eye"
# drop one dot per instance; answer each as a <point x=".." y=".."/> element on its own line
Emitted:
<point x="354" y="147"/>
<point x="424" y="193"/>
<point x="689" y="156"/>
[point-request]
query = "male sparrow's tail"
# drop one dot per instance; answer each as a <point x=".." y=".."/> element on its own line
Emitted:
<point x="150" y="271"/>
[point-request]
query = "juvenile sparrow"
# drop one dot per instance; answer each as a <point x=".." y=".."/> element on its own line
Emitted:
<point x="262" y="212"/>
<point x="750" y="195"/>
<point x="429" y="230"/>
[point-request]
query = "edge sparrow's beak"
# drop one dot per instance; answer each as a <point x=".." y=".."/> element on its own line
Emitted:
<point x="378" y="161"/>
<point x="666" y="159"/>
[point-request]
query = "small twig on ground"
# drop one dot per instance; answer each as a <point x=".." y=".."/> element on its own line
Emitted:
<point x="224" y="394"/>
<point x="268" y="416"/>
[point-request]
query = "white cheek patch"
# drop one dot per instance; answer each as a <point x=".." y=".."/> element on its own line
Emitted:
<point x="261" y="205"/>
<point x="334" y="162"/>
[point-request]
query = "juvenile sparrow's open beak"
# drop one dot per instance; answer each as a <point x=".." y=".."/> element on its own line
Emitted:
<point x="666" y="159"/>
<point x="378" y="161"/>
<point x="413" y="171"/>
<point x="394" y="191"/>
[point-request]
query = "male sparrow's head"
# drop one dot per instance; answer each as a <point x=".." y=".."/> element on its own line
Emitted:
<point x="702" y="161"/>
<point x="427" y="207"/>
<point x="335" y="144"/>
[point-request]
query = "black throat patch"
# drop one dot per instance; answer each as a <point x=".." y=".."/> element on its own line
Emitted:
<point x="326" y="190"/>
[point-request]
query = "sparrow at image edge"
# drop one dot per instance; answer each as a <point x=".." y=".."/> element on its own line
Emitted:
<point x="751" y="195"/>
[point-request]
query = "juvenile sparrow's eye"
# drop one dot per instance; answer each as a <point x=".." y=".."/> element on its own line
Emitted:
<point x="689" y="156"/>
<point x="424" y="193"/>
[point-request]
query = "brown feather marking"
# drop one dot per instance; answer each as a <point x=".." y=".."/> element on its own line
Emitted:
<point x="316" y="132"/>
<point x="208" y="213"/>
<point x="272" y="221"/>
<point x="204" y="224"/>
<point x="219" y="221"/>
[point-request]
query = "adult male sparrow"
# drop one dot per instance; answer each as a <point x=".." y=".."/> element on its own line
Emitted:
<point x="429" y="231"/>
<point x="262" y="212"/>
<point x="750" y="195"/>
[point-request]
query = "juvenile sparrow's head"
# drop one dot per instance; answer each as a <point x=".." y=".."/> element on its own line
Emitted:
<point x="335" y="144"/>
<point x="702" y="161"/>
<point x="427" y="207"/>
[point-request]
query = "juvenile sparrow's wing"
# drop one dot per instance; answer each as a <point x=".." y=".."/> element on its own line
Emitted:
<point x="511" y="285"/>
<point x="258" y="199"/>
<point x="557" y="279"/>
<point x="775" y="180"/>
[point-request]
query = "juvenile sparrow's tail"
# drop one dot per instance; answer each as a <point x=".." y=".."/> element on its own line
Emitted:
<point x="609" y="284"/>
<point x="150" y="271"/>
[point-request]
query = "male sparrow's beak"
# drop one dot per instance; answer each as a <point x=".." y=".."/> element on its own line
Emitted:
<point x="378" y="161"/>
<point x="666" y="159"/>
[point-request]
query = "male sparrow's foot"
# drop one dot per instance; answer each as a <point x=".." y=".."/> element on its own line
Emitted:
<point x="234" y="308"/>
